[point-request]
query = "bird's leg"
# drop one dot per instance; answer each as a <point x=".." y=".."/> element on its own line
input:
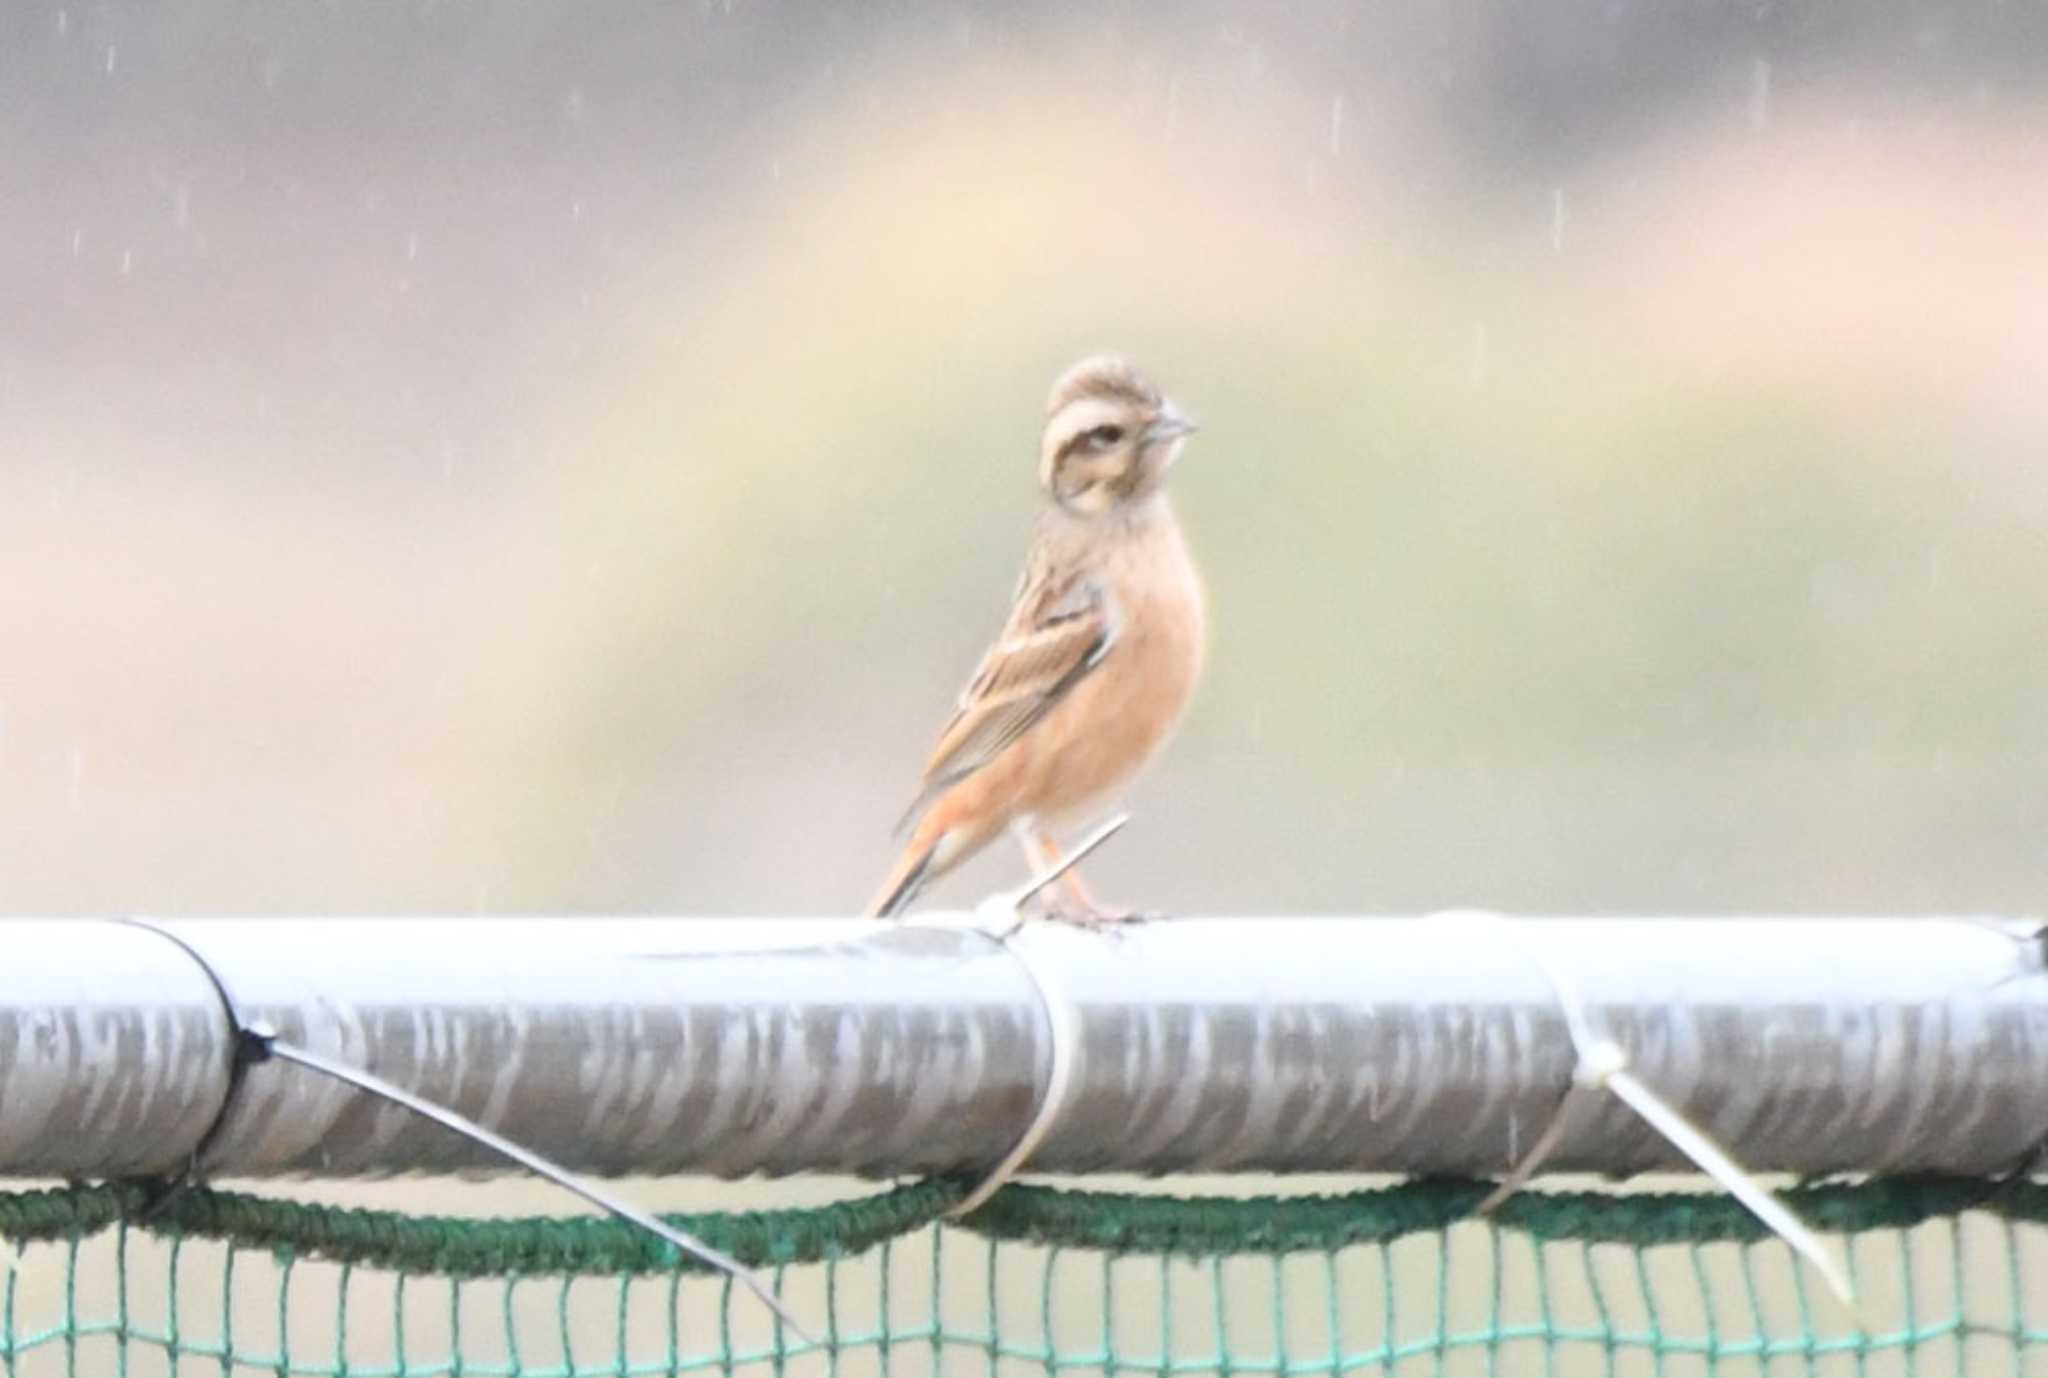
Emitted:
<point x="1067" y="898"/>
<point x="1039" y="857"/>
<point x="1075" y="901"/>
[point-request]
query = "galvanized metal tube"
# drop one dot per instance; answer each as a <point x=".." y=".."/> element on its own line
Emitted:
<point x="665" y="1045"/>
<point x="112" y="1051"/>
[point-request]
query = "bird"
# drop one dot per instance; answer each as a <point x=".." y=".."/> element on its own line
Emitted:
<point x="1096" y="662"/>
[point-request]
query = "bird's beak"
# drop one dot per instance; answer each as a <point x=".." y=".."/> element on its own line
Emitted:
<point x="1170" y="424"/>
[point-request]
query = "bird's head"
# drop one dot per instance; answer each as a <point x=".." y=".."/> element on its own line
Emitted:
<point x="1109" y="437"/>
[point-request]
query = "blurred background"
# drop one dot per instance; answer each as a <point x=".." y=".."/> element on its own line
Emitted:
<point x="557" y="458"/>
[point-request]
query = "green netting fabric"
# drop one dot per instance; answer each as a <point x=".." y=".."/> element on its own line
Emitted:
<point x="1396" y="1280"/>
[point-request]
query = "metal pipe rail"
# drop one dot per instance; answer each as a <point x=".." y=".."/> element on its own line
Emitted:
<point x="620" y="1046"/>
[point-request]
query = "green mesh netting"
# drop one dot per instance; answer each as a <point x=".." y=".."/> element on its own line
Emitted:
<point x="1950" y="1278"/>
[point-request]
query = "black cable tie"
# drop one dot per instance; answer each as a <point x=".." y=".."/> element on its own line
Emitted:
<point x="249" y="1043"/>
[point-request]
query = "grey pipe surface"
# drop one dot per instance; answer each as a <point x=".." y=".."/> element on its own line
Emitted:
<point x="733" y="1046"/>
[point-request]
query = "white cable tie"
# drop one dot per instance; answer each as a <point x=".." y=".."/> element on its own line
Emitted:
<point x="1602" y="1064"/>
<point x="1000" y="918"/>
<point x="1714" y="1160"/>
<point x="1064" y="1030"/>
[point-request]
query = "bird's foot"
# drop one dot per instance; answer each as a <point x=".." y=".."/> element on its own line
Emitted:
<point x="1061" y="908"/>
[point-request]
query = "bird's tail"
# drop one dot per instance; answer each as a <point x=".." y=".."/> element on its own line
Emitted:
<point x="934" y="847"/>
<point x="901" y="884"/>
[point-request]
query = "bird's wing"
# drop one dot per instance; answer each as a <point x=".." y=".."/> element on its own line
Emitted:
<point x="1059" y="629"/>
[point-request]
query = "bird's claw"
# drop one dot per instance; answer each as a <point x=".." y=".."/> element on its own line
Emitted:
<point x="1091" y="917"/>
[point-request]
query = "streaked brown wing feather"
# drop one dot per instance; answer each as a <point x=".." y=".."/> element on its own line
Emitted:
<point x="1021" y="679"/>
<point x="1055" y="636"/>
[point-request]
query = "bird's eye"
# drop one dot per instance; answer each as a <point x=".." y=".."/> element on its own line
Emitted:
<point x="1102" y="437"/>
